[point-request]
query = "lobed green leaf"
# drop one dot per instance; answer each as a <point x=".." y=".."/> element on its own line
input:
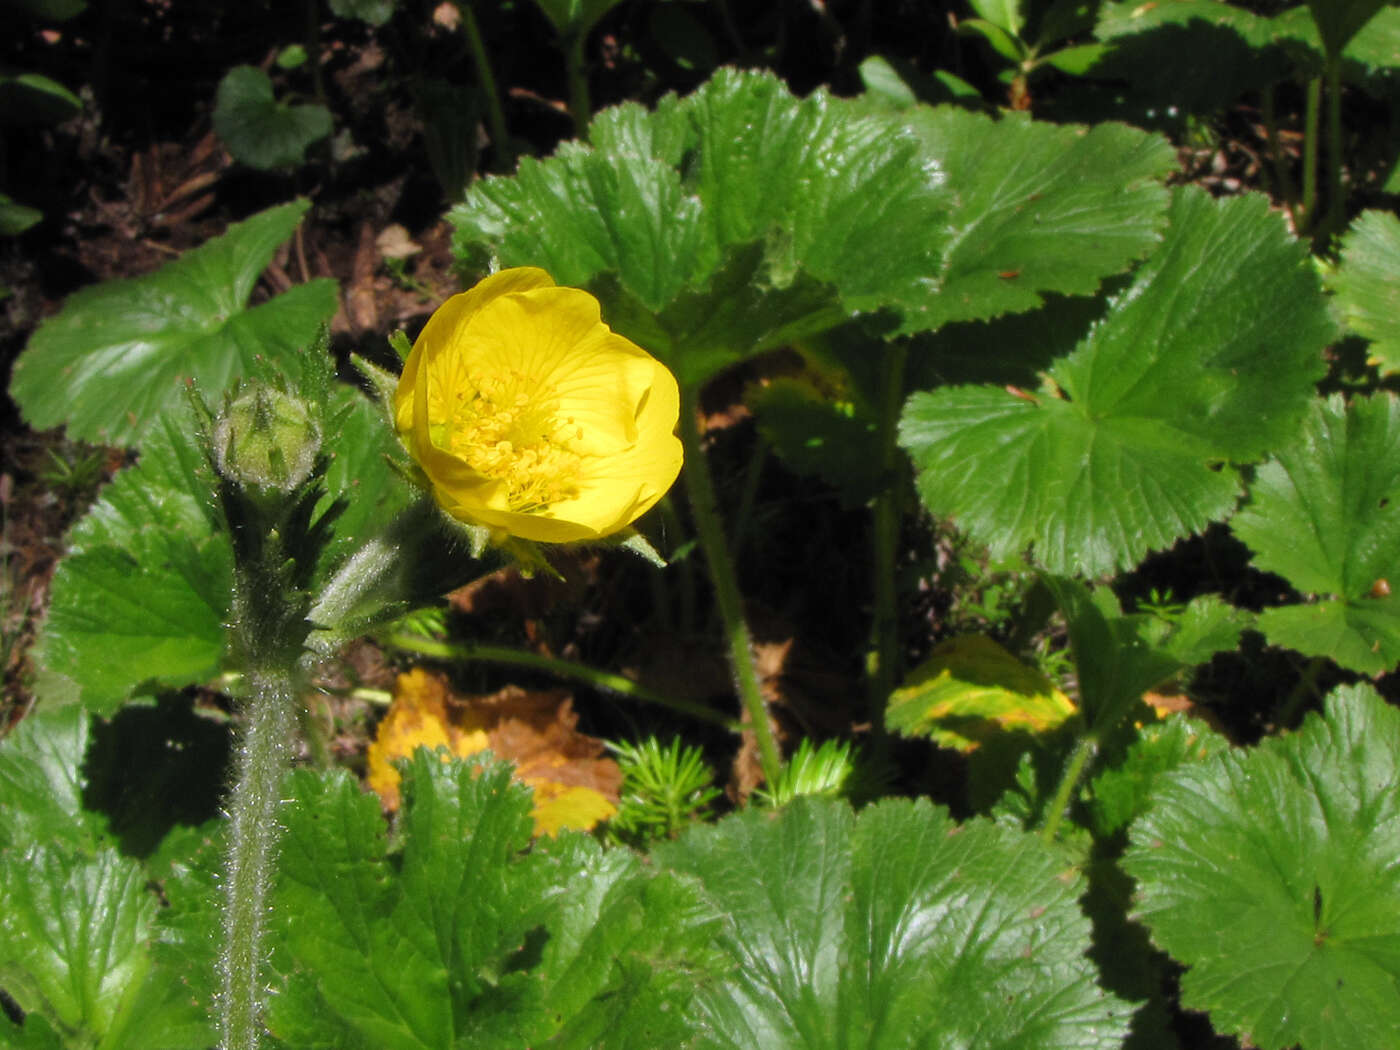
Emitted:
<point x="1324" y="513"/>
<point x="116" y="356"/>
<point x="1271" y="874"/>
<point x="896" y="928"/>
<point x="1209" y="357"/>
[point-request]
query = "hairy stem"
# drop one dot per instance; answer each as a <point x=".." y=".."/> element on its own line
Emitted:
<point x="263" y="758"/>
<point x="700" y="487"/>
<point x="1069" y="780"/>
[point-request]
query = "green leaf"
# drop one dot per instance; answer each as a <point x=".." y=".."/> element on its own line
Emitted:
<point x="1340" y="20"/>
<point x="375" y="12"/>
<point x="1271" y="874"/>
<point x="897" y="928"/>
<point x="1004" y="43"/>
<point x="143" y="594"/>
<point x="1323" y="515"/>
<point x="1120" y="794"/>
<point x="573" y="18"/>
<point x="114" y="358"/>
<point x="1005" y="13"/>
<point x="1116" y="658"/>
<point x="32" y="100"/>
<point x="459" y="937"/>
<point x="1208" y="358"/>
<point x="1040" y="208"/>
<point x="625" y="950"/>
<point x="71" y="934"/>
<point x="41" y="783"/>
<point x="361" y="443"/>
<point x="1367" y="283"/>
<point x="15" y="217"/>
<point x="1191" y="56"/>
<point x="581" y="213"/>
<point x="260" y="131"/>
<point x="971" y="688"/>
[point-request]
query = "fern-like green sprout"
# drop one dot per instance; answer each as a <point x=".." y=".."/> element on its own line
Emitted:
<point x="664" y="788"/>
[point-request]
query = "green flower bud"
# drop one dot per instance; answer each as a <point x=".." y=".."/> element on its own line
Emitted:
<point x="266" y="440"/>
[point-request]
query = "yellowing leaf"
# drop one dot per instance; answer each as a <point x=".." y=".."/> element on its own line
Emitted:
<point x="574" y="785"/>
<point x="970" y="689"/>
<point x="559" y="806"/>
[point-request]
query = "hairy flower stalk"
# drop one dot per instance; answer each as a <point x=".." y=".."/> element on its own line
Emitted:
<point x="265" y="450"/>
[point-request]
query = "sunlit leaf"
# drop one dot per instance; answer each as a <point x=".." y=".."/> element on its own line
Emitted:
<point x="117" y="354"/>
<point x="1324" y="513"/>
<point x="1271" y="875"/>
<point x="1367" y="283"/>
<point x="971" y="687"/>
<point x="1208" y="358"/>
<point x="897" y="928"/>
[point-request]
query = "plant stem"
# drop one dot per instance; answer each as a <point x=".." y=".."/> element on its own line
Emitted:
<point x="580" y="106"/>
<point x="606" y="680"/>
<point x="704" y="506"/>
<point x="1305" y="688"/>
<point x="1310" y="121"/>
<point x="263" y="759"/>
<point x="495" y="116"/>
<point x="1334" y="147"/>
<point x="1069" y="780"/>
<point x="882" y="659"/>
<point x="1283" y="183"/>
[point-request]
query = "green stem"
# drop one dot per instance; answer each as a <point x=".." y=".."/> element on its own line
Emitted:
<point x="1335" y="199"/>
<point x="605" y="680"/>
<point x="1069" y="780"/>
<point x="580" y="106"/>
<point x="882" y="659"/>
<point x="263" y="759"/>
<point x="1305" y="689"/>
<point x="495" y="115"/>
<point x="1283" y="182"/>
<point x="700" y="487"/>
<point x="1310" y="122"/>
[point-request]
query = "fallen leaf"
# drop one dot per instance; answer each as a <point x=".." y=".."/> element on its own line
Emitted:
<point x="575" y="785"/>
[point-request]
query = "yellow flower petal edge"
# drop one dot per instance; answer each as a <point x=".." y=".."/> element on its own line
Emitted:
<point x="530" y="416"/>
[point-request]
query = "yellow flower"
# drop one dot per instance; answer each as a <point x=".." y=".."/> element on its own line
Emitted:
<point x="530" y="416"/>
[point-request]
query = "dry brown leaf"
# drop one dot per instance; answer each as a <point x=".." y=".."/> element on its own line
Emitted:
<point x="575" y="784"/>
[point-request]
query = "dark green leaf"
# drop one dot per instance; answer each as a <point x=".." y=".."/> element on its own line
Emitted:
<point x="1367" y="283"/>
<point x="1039" y="209"/>
<point x="375" y="12"/>
<point x="29" y="99"/>
<point x="1340" y="20"/>
<point x="1325" y="515"/>
<point x="15" y="218"/>
<point x="1120" y="794"/>
<point x="143" y="594"/>
<point x="1208" y="357"/>
<point x="1114" y="655"/>
<point x="1271" y="874"/>
<point x="115" y="357"/>
<point x="260" y="131"/>
<point x="894" y="929"/>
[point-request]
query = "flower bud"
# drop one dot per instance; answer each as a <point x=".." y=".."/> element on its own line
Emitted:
<point x="266" y="440"/>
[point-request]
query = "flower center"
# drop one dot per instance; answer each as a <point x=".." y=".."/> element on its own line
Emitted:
<point x="507" y="427"/>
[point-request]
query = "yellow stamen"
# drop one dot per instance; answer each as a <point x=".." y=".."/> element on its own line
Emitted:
<point x="507" y="427"/>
